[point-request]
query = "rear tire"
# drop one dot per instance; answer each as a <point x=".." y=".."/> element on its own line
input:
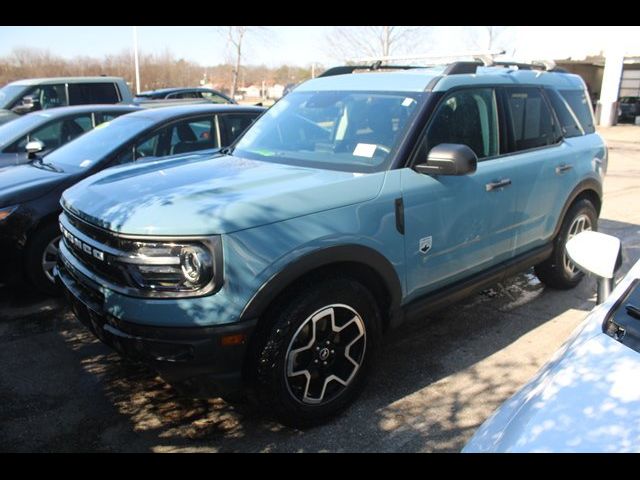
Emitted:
<point x="41" y="257"/>
<point x="314" y="359"/>
<point x="558" y="271"/>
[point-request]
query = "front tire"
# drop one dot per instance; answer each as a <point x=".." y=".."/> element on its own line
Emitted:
<point x="41" y="257"/>
<point x="313" y="361"/>
<point x="558" y="271"/>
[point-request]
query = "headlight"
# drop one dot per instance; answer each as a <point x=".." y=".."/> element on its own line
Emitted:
<point x="171" y="267"/>
<point x="5" y="212"/>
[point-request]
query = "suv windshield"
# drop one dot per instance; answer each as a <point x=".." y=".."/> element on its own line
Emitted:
<point x="349" y="131"/>
<point x="95" y="145"/>
<point x="8" y="93"/>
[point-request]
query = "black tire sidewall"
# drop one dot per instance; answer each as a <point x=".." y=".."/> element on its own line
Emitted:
<point x="581" y="207"/>
<point x="271" y="376"/>
<point x="33" y="260"/>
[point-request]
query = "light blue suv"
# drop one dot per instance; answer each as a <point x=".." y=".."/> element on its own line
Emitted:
<point x="354" y="203"/>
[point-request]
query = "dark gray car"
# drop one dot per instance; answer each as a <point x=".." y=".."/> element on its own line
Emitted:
<point x="44" y="131"/>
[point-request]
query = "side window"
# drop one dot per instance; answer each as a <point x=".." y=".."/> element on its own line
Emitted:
<point x="569" y="123"/>
<point x="193" y="134"/>
<point x="108" y="116"/>
<point x="85" y="93"/>
<point x="532" y="122"/>
<point x="74" y="127"/>
<point x="581" y="107"/>
<point x="149" y="147"/>
<point x="467" y="117"/>
<point x="46" y="96"/>
<point x="184" y="95"/>
<point x="50" y="135"/>
<point x="233" y="125"/>
<point x="214" y="97"/>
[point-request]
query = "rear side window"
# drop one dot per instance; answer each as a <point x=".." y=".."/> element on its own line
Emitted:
<point x="531" y="120"/>
<point x="84" y="93"/>
<point x="233" y="125"/>
<point x="581" y="107"/>
<point x="569" y="123"/>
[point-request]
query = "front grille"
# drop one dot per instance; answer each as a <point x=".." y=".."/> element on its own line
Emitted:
<point x="95" y="249"/>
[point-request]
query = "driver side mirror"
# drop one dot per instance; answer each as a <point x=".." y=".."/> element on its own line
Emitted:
<point x="449" y="159"/>
<point x="33" y="147"/>
<point x="28" y="104"/>
<point x="598" y="254"/>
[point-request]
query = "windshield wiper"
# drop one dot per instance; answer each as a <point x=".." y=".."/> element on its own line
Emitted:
<point x="45" y="165"/>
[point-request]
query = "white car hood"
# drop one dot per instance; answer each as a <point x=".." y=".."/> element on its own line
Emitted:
<point x="586" y="399"/>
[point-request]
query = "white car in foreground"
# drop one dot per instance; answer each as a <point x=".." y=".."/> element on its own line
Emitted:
<point x="587" y="398"/>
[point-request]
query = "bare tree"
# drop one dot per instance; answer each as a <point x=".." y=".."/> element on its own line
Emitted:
<point x="237" y="38"/>
<point x="489" y="37"/>
<point x="348" y="43"/>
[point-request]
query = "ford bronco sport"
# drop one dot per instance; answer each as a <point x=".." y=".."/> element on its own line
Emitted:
<point x="355" y="202"/>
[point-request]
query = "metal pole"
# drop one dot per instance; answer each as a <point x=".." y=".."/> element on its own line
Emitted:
<point x="612" y="74"/>
<point x="605" y="286"/>
<point x="135" y="57"/>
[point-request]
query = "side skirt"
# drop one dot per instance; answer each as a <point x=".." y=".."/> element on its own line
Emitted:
<point x="442" y="297"/>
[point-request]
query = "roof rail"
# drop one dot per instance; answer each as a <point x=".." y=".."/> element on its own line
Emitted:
<point x="452" y="68"/>
<point x="344" y="69"/>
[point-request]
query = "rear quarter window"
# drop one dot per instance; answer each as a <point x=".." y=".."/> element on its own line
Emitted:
<point x="581" y="107"/>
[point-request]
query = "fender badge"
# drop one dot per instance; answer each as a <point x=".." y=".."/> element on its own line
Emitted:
<point x="425" y="244"/>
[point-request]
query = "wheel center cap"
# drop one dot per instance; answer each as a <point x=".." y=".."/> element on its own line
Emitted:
<point x="323" y="354"/>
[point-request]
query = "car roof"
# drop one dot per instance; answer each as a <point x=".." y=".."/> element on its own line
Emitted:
<point x="62" y="111"/>
<point x="418" y="79"/>
<point x="160" y="91"/>
<point x="53" y="80"/>
<point x="165" y="113"/>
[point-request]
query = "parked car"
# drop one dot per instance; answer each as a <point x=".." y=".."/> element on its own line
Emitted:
<point x="24" y="96"/>
<point x="30" y="194"/>
<point x="629" y="108"/>
<point x="358" y="201"/>
<point x="207" y="94"/>
<point x="586" y="399"/>
<point x="42" y="132"/>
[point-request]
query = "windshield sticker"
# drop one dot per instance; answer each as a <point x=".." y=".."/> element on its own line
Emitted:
<point x="365" y="150"/>
<point x="85" y="163"/>
<point x="102" y="125"/>
<point x="407" y="102"/>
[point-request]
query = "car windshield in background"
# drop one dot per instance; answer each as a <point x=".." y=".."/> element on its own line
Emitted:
<point x="348" y="131"/>
<point x="8" y="94"/>
<point x="21" y="126"/>
<point x="92" y="147"/>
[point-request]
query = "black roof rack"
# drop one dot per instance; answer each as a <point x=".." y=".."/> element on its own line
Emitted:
<point x="345" y="69"/>
<point x="453" y="68"/>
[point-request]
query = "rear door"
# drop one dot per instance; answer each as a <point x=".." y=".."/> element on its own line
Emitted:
<point x="537" y="162"/>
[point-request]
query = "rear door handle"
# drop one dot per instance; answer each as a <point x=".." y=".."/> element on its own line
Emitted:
<point x="560" y="169"/>
<point x="505" y="182"/>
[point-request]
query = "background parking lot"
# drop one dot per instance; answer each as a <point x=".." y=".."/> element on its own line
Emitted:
<point x="436" y="380"/>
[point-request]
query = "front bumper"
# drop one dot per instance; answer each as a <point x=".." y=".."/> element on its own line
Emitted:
<point x="192" y="357"/>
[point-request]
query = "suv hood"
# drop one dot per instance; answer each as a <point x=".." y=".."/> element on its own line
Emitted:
<point x="22" y="183"/>
<point x="218" y="195"/>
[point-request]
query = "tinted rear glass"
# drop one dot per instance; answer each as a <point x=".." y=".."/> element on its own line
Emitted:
<point x="581" y="107"/>
<point x="84" y="93"/>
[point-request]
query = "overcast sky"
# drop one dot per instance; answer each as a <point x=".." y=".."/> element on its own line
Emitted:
<point x="303" y="45"/>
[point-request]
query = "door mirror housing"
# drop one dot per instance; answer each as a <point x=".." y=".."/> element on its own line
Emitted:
<point x="449" y="159"/>
<point x="598" y="254"/>
<point x="33" y="147"/>
<point x="27" y="105"/>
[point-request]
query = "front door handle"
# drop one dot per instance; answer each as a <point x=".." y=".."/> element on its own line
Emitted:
<point x="560" y="169"/>
<point x="505" y="182"/>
